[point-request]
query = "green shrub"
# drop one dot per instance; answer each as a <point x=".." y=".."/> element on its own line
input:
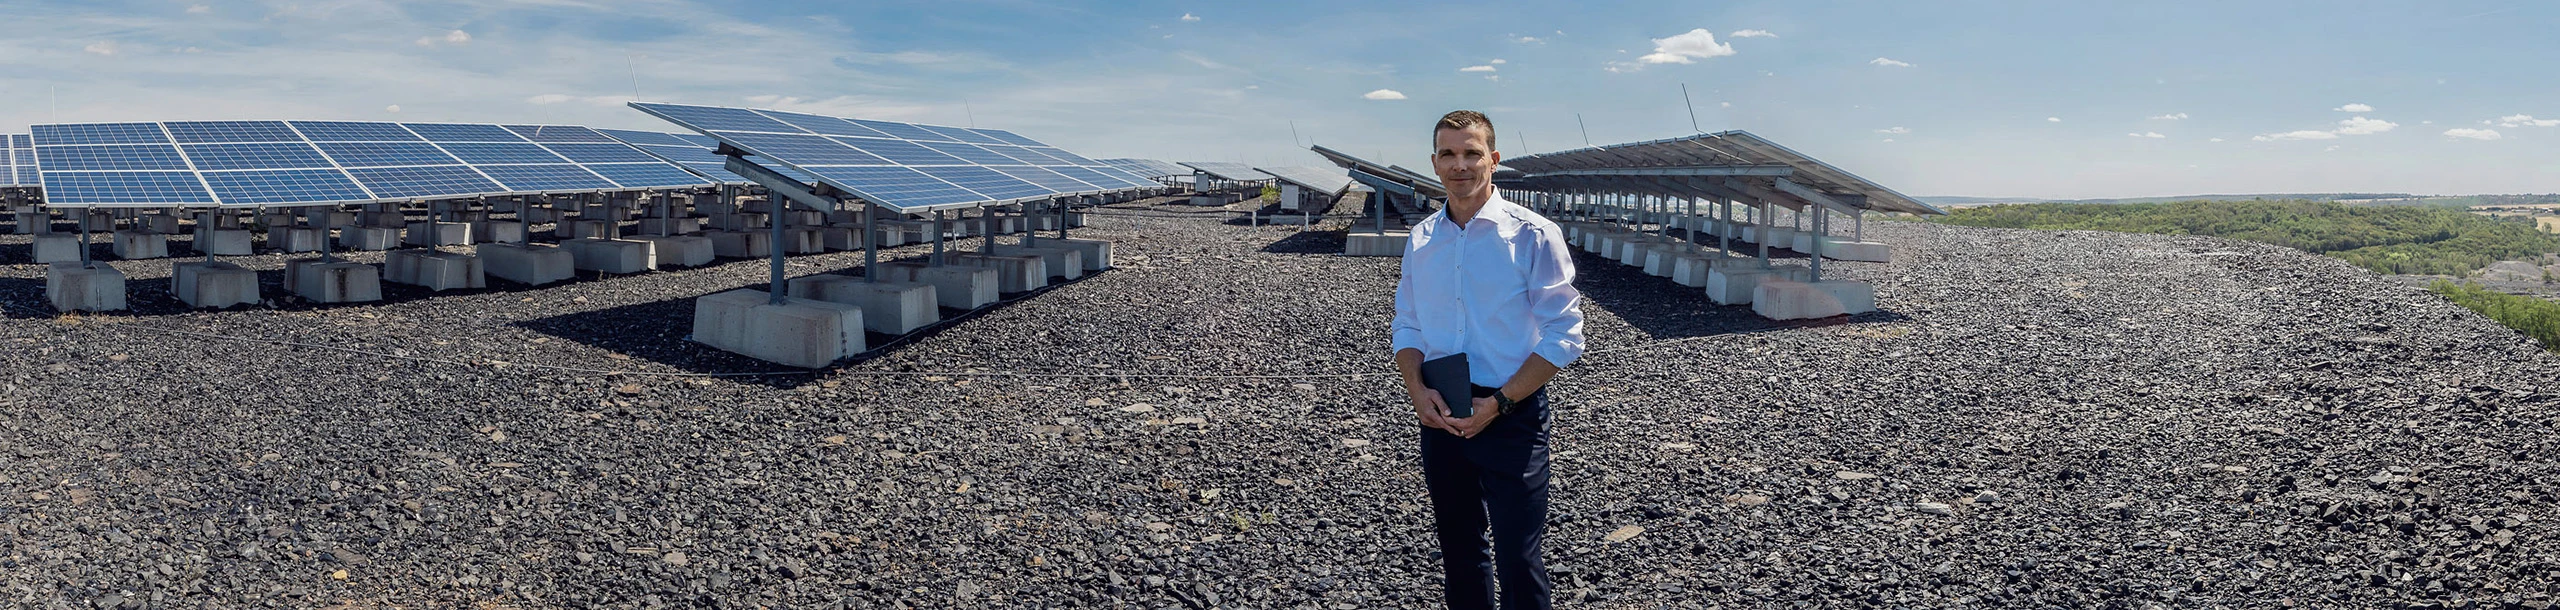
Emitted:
<point x="2535" y="317"/>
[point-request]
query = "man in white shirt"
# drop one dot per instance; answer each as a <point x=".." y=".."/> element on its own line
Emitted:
<point x="1489" y="279"/>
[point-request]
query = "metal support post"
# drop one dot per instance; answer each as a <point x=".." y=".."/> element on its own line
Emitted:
<point x="937" y="240"/>
<point x="84" y="238"/>
<point x="1763" y="231"/>
<point x="871" y="247"/>
<point x="1821" y="220"/>
<point x="774" y="205"/>
<point x="987" y="221"/>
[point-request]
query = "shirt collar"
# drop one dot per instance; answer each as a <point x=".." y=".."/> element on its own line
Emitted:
<point x="1501" y="212"/>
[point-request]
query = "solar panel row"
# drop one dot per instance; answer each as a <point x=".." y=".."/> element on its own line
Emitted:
<point x="1232" y="172"/>
<point x="902" y="166"/>
<point x="17" y="161"/>
<point x="259" y="163"/>
<point x="1148" y="168"/>
<point x="1332" y="180"/>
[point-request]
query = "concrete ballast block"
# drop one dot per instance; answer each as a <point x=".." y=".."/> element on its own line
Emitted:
<point x="132" y="245"/>
<point x="335" y="282"/>
<point x="798" y="332"/>
<point x="368" y="238"/>
<point x="71" y="287"/>
<point x="433" y="269"/>
<point x="679" y="250"/>
<point x="58" y="248"/>
<point x="611" y="256"/>
<point x="957" y="287"/>
<point x="223" y="242"/>
<point x="439" y="234"/>
<point x="528" y="263"/>
<point x="1062" y="262"/>
<point x="1796" y="300"/>
<point x="1013" y="273"/>
<point x="893" y="308"/>
<point x="1097" y="253"/>
<point x="213" y="284"/>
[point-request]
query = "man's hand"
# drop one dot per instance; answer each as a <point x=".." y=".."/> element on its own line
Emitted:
<point x="1429" y="408"/>
<point x="1486" y="410"/>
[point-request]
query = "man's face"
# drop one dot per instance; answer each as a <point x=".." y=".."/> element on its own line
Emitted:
<point x="1463" y="159"/>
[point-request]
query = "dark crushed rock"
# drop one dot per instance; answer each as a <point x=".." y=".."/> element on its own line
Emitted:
<point x="2035" y="419"/>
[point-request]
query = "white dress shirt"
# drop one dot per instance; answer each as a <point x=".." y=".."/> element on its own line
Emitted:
<point x="1498" y="289"/>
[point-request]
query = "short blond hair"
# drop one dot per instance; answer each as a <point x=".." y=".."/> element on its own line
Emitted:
<point x="1462" y="119"/>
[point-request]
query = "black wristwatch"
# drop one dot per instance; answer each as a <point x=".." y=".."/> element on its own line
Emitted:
<point x="1503" y="402"/>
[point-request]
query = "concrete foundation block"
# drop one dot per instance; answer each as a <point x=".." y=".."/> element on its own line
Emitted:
<point x="1736" y="285"/>
<point x="1013" y="273"/>
<point x="583" y="229"/>
<point x="1865" y="251"/>
<point x="528" y="263"/>
<point x="803" y="240"/>
<point x="223" y="242"/>
<point x="132" y="245"/>
<point x="537" y="214"/>
<point x="893" y="308"/>
<point x="498" y="231"/>
<point x="741" y="244"/>
<point x="890" y="237"/>
<point x="163" y="224"/>
<point x="1632" y="251"/>
<point x="798" y="332"/>
<point x="741" y="221"/>
<point x="1061" y="262"/>
<point x="433" y="234"/>
<point x="678" y="250"/>
<point x="955" y="286"/>
<point x="1796" y="300"/>
<point x="213" y="284"/>
<point x="840" y="238"/>
<point x="1373" y="244"/>
<point x="433" y="269"/>
<point x="908" y="231"/>
<point x="217" y="220"/>
<point x="611" y="256"/>
<point x="58" y="248"/>
<point x="368" y="239"/>
<point x="1692" y="270"/>
<point x="71" y="287"/>
<point x="671" y="226"/>
<point x="1097" y="253"/>
<point x="297" y="239"/>
<point x="333" y="282"/>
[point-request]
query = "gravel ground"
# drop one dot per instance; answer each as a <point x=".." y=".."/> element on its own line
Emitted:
<point x="2034" y="419"/>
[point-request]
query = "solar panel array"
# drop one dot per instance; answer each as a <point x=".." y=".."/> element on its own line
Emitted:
<point x="287" y="163"/>
<point x="17" y="160"/>
<point x="1332" y="180"/>
<point x="696" y="152"/>
<point x="1231" y="172"/>
<point x="905" y="167"/>
<point x="1148" y="168"/>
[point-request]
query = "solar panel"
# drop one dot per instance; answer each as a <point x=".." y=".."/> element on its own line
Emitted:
<point x="264" y="163"/>
<point x="902" y="166"/>
<point x="1319" y="179"/>
<point x="1233" y="172"/>
<point x="16" y="159"/>
<point x="1147" y="169"/>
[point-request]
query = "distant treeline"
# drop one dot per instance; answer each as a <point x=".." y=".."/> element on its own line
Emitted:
<point x="2536" y="318"/>
<point x="2385" y="239"/>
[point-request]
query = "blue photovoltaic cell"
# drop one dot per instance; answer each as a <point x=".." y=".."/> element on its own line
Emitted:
<point x="113" y="158"/>
<point x="963" y="135"/>
<point x="700" y="140"/>
<point x="600" y="153"/>
<point x="26" y="156"/>
<point x="199" y="132"/>
<point x="803" y="150"/>
<point x="424" y="181"/>
<point x="1070" y="158"/>
<point x="100" y="133"/>
<point x="970" y="153"/>
<point x="987" y="182"/>
<point x="21" y="141"/>
<point x="645" y="137"/>
<point x="450" y="132"/>
<point x="1026" y="155"/>
<point x="484" y="154"/>
<point x="902" y="152"/>
<point x="687" y="153"/>
<point x="284" y="186"/>
<point x="354" y="131"/>
<point x="65" y="188"/>
<point x="1046" y="179"/>
<point x="898" y="186"/>
<point x="719" y="119"/>
<point x="1092" y="177"/>
<point x="823" y="125"/>
<point x="904" y="131"/>
<point x="647" y="175"/>
<point x="263" y="155"/>
<point x="385" y="154"/>
<point x="1132" y="180"/>
<point x="560" y="177"/>
<point x="778" y="168"/>
<point x="27" y="175"/>
<point x="558" y="133"/>
<point x="1008" y="137"/>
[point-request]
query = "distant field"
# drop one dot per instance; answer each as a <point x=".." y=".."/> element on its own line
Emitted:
<point x="2415" y="240"/>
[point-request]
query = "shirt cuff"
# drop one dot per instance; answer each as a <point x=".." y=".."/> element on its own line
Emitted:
<point x="1404" y="339"/>
<point x="1559" y="352"/>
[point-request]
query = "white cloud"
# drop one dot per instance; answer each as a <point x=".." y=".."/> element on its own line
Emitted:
<point x="1889" y="63"/>
<point x="1383" y="94"/>
<point x="2053" y="119"/>
<point x="1753" y="34"/>
<point x="1493" y="77"/>
<point x="2524" y="120"/>
<point x="1497" y="62"/>
<point x="2476" y="134"/>
<point x="457" y="37"/>
<point x="2147" y="134"/>
<point x="1685" y="47"/>
<point x="2354" y="108"/>
<point x="102" y="47"/>
<point x="391" y="108"/>
<point x="1888" y="140"/>
<point x="1895" y="130"/>
<point x="1527" y="39"/>
<point x="1486" y="68"/>
<point x="2174" y="116"/>
<point x="1725" y="104"/>
<point x="2360" y="126"/>
<point x="199" y="9"/>
<point x="1190" y="17"/>
<point x="2213" y="139"/>
<point x="2296" y="135"/>
<point x="2331" y="148"/>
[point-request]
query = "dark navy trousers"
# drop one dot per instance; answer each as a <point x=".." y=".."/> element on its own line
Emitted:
<point x="1494" y="483"/>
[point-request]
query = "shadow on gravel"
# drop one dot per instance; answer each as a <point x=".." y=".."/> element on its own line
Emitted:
<point x="1665" y="309"/>
<point x="23" y="298"/>
<point x="661" y="331"/>
<point x="1308" y="242"/>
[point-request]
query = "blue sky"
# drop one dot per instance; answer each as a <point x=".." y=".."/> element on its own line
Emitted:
<point x="2040" y="99"/>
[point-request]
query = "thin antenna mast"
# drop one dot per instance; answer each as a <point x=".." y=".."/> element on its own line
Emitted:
<point x="1293" y="134"/>
<point x="1693" y="108"/>
<point x="1586" y="129"/>
<point x="973" y="112"/>
<point x="634" y="65"/>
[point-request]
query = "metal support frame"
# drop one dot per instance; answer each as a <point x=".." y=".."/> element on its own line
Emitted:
<point x="871" y="243"/>
<point x="937" y="239"/>
<point x="987" y="222"/>
<point x="778" y="189"/>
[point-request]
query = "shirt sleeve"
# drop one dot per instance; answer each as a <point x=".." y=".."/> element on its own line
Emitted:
<point x="1554" y="304"/>
<point x="1407" y="328"/>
